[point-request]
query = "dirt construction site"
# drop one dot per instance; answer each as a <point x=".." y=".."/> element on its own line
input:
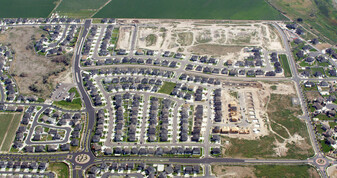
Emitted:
<point x="225" y="40"/>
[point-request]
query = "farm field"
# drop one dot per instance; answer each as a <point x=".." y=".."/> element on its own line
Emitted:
<point x="26" y="9"/>
<point x="10" y="122"/>
<point x="191" y="9"/>
<point x="79" y="8"/>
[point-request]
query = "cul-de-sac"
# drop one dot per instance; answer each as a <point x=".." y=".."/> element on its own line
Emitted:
<point x="96" y="91"/>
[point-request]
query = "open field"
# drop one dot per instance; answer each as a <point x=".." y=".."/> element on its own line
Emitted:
<point x="47" y="71"/>
<point x="320" y="15"/>
<point x="61" y="169"/>
<point x="10" y="123"/>
<point x="191" y="9"/>
<point x="287" y="137"/>
<point x="26" y="9"/>
<point x="265" y="171"/>
<point x="79" y="8"/>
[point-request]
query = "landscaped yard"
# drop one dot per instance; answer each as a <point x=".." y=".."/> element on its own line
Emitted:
<point x="191" y="9"/>
<point x="76" y="104"/>
<point x="167" y="88"/>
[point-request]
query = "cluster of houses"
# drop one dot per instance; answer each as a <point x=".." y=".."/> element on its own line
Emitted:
<point x="217" y="105"/>
<point x="199" y="79"/>
<point x="185" y="119"/>
<point x="295" y="28"/>
<point x="108" y="20"/>
<point x="133" y="71"/>
<point x="329" y="134"/>
<point x="126" y="126"/>
<point x="100" y="129"/>
<point x="197" y="124"/>
<point x="277" y="65"/>
<point x="22" y="132"/>
<point x="145" y="52"/>
<point x="93" y="91"/>
<point x="154" y="151"/>
<point x="204" y="59"/>
<point x="32" y="167"/>
<point x="12" y="21"/>
<point x="158" y="127"/>
<point x="331" y="52"/>
<point x="150" y="170"/>
<point x="183" y="91"/>
<point x="89" y="42"/>
<point x="70" y="38"/>
<point x="105" y="41"/>
<point x="174" y="55"/>
<point x="131" y="83"/>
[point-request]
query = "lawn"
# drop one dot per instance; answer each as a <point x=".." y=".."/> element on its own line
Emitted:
<point x="325" y="147"/>
<point x="285" y="64"/>
<point x="79" y="8"/>
<point x="61" y="169"/>
<point x="167" y="88"/>
<point x="74" y="90"/>
<point x="191" y="9"/>
<point x="26" y="8"/>
<point x="76" y="104"/>
<point x="10" y="123"/>
<point x="317" y="69"/>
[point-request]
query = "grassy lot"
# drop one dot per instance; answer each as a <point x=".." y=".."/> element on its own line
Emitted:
<point x="76" y="104"/>
<point x="74" y="90"/>
<point x="280" y="110"/>
<point x="276" y="171"/>
<point x="26" y="9"/>
<point x="191" y="9"/>
<point x="325" y="147"/>
<point x="285" y="64"/>
<point x="167" y="88"/>
<point x="323" y="117"/>
<point x="79" y="8"/>
<point x="320" y="15"/>
<point x="10" y="122"/>
<point x="317" y="69"/>
<point x="61" y="169"/>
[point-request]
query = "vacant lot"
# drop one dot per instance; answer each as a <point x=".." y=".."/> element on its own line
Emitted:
<point x="61" y="169"/>
<point x="285" y="65"/>
<point x="288" y="137"/>
<point x="76" y="104"/>
<point x="26" y="8"/>
<point x="34" y="74"/>
<point x="79" y="8"/>
<point x="265" y="171"/>
<point x="191" y="9"/>
<point x="9" y="124"/>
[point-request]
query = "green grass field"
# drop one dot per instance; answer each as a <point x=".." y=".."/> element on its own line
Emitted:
<point x="167" y="88"/>
<point x="79" y="8"/>
<point x="10" y="122"/>
<point x="191" y="9"/>
<point x="76" y="104"/>
<point x="285" y="65"/>
<point x="26" y="8"/>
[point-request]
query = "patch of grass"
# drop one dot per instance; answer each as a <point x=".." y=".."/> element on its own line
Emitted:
<point x="74" y="90"/>
<point x="151" y="40"/>
<point x="61" y="169"/>
<point x="191" y="9"/>
<point x="167" y="88"/>
<point x="323" y="117"/>
<point x="283" y="171"/>
<point x="317" y="69"/>
<point x="76" y="104"/>
<point x="325" y="147"/>
<point x="285" y="65"/>
<point x="273" y="87"/>
<point x="26" y="9"/>
<point x="9" y="124"/>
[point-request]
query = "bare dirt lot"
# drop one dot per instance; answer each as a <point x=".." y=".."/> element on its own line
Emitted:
<point x="34" y="74"/>
<point x="197" y="37"/>
<point x="234" y="171"/>
<point x="124" y="40"/>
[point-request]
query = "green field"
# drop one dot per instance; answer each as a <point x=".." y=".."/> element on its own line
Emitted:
<point x="167" y="88"/>
<point x="191" y="9"/>
<point x="10" y="122"/>
<point x="79" y="8"/>
<point x="26" y="8"/>
<point x="285" y="65"/>
<point x="76" y="104"/>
